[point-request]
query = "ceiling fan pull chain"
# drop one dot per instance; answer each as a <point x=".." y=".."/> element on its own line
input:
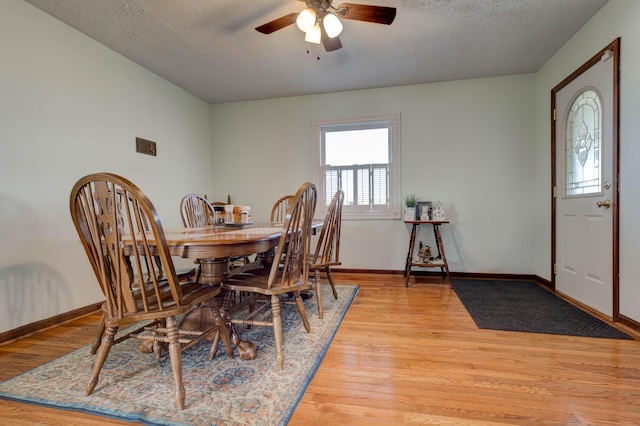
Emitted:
<point x="309" y="51"/>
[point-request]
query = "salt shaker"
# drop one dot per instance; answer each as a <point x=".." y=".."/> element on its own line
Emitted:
<point x="244" y="214"/>
<point x="228" y="210"/>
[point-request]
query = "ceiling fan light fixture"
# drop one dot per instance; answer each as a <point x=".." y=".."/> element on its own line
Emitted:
<point x="306" y="20"/>
<point x="332" y="25"/>
<point x="313" y="35"/>
<point x="322" y="22"/>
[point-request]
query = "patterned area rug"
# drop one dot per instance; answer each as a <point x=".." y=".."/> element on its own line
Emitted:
<point x="134" y="386"/>
<point x="525" y="306"/>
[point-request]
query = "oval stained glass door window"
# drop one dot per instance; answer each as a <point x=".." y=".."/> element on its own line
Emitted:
<point x="583" y="133"/>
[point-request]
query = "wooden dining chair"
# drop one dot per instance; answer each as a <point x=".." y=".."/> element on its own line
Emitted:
<point x="196" y="211"/>
<point x="219" y="203"/>
<point x="279" y="209"/>
<point x="119" y="229"/>
<point x="278" y="214"/>
<point x="327" y="252"/>
<point x="290" y="275"/>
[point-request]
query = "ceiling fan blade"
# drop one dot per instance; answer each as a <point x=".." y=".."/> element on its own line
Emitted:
<point x="330" y="44"/>
<point x="363" y="12"/>
<point x="278" y="24"/>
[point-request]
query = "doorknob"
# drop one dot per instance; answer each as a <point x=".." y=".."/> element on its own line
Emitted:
<point x="606" y="204"/>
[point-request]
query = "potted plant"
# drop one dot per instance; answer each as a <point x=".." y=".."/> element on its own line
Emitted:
<point x="410" y="201"/>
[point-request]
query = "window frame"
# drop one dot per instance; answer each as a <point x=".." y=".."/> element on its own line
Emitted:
<point x="390" y="121"/>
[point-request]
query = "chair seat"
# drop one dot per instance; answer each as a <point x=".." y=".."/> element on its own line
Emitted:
<point x="257" y="282"/>
<point x="192" y="294"/>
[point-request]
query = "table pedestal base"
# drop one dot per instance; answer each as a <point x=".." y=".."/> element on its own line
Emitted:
<point x="213" y="271"/>
<point x="202" y="318"/>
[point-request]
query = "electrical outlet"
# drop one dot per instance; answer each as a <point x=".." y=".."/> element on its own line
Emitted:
<point x="145" y="146"/>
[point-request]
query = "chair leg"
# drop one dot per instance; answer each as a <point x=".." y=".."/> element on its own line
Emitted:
<point x="159" y="266"/>
<point x="319" y="294"/>
<point x="175" y="356"/>
<point x="198" y="272"/>
<point x="105" y="347"/>
<point x="333" y="287"/>
<point x="303" y="312"/>
<point x="252" y="306"/>
<point x="96" y="343"/>
<point x="157" y="344"/>
<point x="277" y="329"/>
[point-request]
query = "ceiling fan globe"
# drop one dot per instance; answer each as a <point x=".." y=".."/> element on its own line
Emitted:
<point x="306" y="20"/>
<point x="314" y="35"/>
<point x="332" y="25"/>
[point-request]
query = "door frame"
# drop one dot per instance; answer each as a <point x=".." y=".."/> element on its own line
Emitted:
<point x="614" y="47"/>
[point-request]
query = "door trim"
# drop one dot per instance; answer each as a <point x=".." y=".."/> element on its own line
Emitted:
<point x="614" y="47"/>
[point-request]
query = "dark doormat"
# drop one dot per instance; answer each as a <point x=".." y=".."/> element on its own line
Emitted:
<point x="525" y="306"/>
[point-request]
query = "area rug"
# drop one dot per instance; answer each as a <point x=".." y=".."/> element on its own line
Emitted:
<point x="134" y="386"/>
<point x="525" y="306"/>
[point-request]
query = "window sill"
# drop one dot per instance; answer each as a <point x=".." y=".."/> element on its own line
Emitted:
<point x="370" y="215"/>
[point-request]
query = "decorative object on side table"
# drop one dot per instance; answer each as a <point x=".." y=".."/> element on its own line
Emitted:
<point x="424" y="254"/>
<point x="423" y="209"/>
<point x="410" y="201"/>
<point x="438" y="212"/>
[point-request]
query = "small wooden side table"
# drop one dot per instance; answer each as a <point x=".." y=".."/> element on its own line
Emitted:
<point x="439" y="262"/>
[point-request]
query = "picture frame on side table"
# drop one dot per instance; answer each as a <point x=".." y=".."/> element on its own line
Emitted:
<point x="423" y="206"/>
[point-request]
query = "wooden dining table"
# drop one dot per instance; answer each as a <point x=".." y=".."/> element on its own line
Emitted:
<point x="214" y="247"/>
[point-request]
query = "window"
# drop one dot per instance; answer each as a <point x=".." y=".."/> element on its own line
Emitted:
<point x="361" y="156"/>
<point x="582" y="145"/>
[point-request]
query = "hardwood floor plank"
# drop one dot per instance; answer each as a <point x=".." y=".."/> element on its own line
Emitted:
<point x="414" y="356"/>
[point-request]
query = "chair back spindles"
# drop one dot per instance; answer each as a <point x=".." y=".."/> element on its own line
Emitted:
<point x="109" y="215"/>
<point x="328" y="246"/>
<point x="280" y="207"/>
<point x="196" y="211"/>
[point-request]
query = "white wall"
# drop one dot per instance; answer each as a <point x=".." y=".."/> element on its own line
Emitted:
<point x="68" y="107"/>
<point x="617" y="18"/>
<point x="466" y="143"/>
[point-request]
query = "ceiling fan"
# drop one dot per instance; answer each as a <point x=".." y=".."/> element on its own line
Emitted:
<point x="320" y="21"/>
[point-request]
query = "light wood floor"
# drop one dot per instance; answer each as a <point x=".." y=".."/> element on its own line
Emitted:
<point x="415" y="356"/>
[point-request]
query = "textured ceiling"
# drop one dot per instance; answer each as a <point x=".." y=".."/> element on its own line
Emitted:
<point x="211" y="49"/>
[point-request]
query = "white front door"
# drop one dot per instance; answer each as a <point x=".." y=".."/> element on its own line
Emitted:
<point x="585" y="201"/>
